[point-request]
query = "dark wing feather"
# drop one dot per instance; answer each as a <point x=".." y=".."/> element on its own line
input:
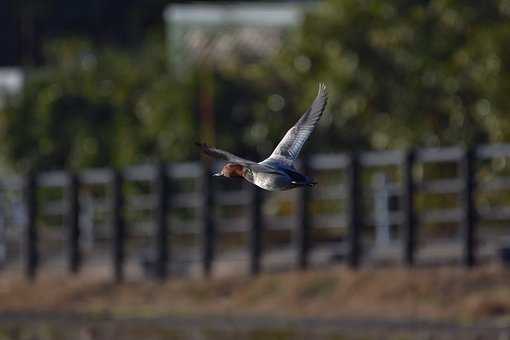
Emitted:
<point x="296" y="176"/>
<point x="231" y="158"/>
<point x="223" y="155"/>
<point x="289" y="147"/>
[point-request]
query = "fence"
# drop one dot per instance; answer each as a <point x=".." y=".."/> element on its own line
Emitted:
<point x="23" y="202"/>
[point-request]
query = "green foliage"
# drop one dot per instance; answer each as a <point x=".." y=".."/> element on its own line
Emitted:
<point x="91" y="107"/>
<point x="414" y="72"/>
<point x="400" y="73"/>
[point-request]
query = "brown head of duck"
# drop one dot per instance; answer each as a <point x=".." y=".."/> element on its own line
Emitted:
<point x="231" y="170"/>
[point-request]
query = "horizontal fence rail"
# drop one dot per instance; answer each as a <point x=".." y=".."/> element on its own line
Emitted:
<point x="22" y="206"/>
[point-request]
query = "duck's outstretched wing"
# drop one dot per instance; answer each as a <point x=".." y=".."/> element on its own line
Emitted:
<point x="223" y="155"/>
<point x="289" y="147"/>
<point x="231" y="158"/>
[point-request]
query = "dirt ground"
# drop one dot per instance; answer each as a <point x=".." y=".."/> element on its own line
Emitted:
<point x="446" y="293"/>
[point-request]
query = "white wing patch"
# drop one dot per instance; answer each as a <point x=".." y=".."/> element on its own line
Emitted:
<point x="291" y="144"/>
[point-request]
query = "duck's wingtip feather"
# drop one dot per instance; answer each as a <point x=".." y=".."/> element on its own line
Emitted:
<point x="322" y="87"/>
<point x="202" y="146"/>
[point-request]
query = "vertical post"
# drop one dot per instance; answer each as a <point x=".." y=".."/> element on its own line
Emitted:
<point x="162" y="232"/>
<point x="3" y="232"/>
<point x="119" y="232"/>
<point x="467" y="170"/>
<point x="208" y="228"/>
<point x="31" y="237"/>
<point x="73" y="218"/>
<point x="355" y="202"/>
<point x="408" y="206"/>
<point x="256" y="231"/>
<point x="382" y="220"/>
<point x="303" y="232"/>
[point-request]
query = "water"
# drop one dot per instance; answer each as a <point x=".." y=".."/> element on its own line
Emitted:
<point x="48" y="331"/>
<point x="79" y="329"/>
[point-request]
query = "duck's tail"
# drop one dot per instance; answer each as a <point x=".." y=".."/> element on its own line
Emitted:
<point x="304" y="184"/>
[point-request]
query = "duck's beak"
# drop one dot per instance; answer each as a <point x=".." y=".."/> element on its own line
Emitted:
<point x="218" y="174"/>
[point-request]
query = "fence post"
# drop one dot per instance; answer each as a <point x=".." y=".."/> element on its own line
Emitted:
<point x="256" y="230"/>
<point x="119" y="232"/>
<point x="408" y="207"/>
<point x="382" y="210"/>
<point x="31" y="236"/>
<point x="162" y="232"/>
<point x="467" y="170"/>
<point x="208" y="228"/>
<point x="73" y="224"/>
<point x="3" y="232"/>
<point x="354" y="206"/>
<point x="303" y="232"/>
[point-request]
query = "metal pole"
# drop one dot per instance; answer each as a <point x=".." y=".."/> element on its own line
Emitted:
<point x="256" y="230"/>
<point x="467" y="167"/>
<point x="208" y="227"/>
<point x="355" y="221"/>
<point x="382" y="210"/>
<point x="303" y="232"/>
<point x="119" y="232"/>
<point x="73" y="225"/>
<point x="162" y="232"/>
<point x="31" y="236"/>
<point x="3" y="232"/>
<point x="408" y="206"/>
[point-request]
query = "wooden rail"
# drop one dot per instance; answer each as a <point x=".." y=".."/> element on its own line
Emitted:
<point x="165" y="197"/>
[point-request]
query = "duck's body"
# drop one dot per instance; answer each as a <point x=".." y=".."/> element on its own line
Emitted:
<point x="268" y="176"/>
<point x="278" y="179"/>
<point x="277" y="172"/>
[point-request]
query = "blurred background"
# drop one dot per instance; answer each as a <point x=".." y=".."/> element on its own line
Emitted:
<point x="93" y="86"/>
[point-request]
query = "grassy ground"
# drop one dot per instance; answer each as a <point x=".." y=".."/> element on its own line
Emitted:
<point x="447" y="293"/>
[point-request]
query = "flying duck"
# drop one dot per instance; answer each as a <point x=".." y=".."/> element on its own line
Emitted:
<point x="277" y="172"/>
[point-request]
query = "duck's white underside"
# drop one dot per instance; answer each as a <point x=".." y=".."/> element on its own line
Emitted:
<point x="272" y="181"/>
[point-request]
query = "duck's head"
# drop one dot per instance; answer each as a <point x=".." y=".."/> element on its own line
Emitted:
<point x="231" y="170"/>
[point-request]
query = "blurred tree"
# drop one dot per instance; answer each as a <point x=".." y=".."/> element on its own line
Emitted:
<point x="26" y="26"/>
<point x="31" y="23"/>
<point x="400" y="73"/>
<point x="96" y="107"/>
<point x="412" y="72"/>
